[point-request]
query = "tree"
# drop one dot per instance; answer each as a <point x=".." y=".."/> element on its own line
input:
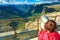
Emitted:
<point x="14" y="25"/>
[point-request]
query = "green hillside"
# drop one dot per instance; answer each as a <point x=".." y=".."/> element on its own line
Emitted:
<point x="11" y="13"/>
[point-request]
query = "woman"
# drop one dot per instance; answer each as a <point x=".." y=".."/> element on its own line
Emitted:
<point x="50" y="31"/>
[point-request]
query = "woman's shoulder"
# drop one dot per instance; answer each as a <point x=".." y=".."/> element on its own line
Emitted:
<point x="40" y="35"/>
<point x="41" y="32"/>
<point x="55" y="35"/>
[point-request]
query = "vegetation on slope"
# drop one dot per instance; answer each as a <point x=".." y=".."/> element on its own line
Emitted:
<point x="26" y="12"/>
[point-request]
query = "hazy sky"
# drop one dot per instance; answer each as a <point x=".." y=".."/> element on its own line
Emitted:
<point x="27" y="0"/>
<point x="23" y="0"/>
<point x="30" y="0"/>
<point x="34" y="0"/>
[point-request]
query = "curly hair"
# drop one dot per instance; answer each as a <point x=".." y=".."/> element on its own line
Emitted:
<point x="50" y="26"/>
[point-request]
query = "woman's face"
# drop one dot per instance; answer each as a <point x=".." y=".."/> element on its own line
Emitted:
<point x="50" y="26"/>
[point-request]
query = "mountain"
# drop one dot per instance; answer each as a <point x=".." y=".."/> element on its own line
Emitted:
<point x="14" y="11"/>
<point x="21" y="10"/>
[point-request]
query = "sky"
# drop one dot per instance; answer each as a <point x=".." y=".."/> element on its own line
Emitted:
<point x="23" y="0"/>
<point x="36" y="0"/>
<point x="18" y="1"/>
<point x="26" y="1"/>
<point x="29" y="0"/>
